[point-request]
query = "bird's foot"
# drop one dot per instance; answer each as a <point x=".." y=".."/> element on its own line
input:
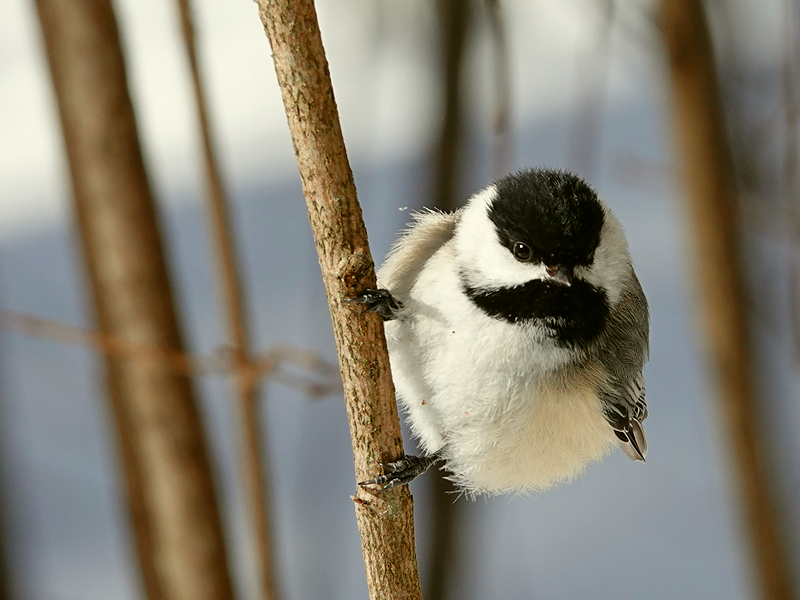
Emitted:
<point x="402" y="472"/>
<point x="379" y="301"/>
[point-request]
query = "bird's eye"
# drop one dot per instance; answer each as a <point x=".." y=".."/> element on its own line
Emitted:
<point x="522" y="252"/>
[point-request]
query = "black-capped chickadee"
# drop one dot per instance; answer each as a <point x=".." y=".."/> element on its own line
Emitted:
<point x="517" y="333"/>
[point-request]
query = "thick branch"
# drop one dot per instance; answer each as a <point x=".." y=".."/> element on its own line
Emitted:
<point x="171" y="493"/>
<point x="708" y="175"/>
<point x="386" y="523"/>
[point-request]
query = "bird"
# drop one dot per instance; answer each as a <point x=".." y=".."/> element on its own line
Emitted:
<point x="517" y="332"/>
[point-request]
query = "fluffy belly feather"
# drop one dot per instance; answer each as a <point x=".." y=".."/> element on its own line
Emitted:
<point x="547" y="439"/>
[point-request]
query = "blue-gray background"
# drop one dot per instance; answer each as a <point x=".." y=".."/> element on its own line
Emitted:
<point x="668" y="529"/>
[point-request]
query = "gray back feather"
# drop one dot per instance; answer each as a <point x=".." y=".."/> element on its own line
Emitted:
<point x="622" y="351"/>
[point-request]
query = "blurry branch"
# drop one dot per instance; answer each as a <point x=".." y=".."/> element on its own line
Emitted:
<point x="385" y="521"/>
<point x="792" y="164"/>
<point x="502" y="94"/>
<point x="454" y="22"/>
<point x="709" y="182"/>
<point x="171" y="493"/>
<point x="454" y="16"/>
<point x="586" y="129"/>
<point x="279" y="363"/>
<point x="444" y="554"/>
<point x="764" y="141"/>
<point x="255" y="464"/>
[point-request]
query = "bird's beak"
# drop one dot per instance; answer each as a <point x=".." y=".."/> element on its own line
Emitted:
<point x="560" y="274"/>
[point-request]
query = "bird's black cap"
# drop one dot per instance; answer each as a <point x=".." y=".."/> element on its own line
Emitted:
<point x="556" y="213"/>
<point x="559" y="218"/>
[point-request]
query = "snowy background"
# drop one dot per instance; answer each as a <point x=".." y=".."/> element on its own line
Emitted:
<point x="668" y="529"/>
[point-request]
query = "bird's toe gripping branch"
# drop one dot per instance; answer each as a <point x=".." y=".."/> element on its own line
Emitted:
<point x="379" y="301"/>
<point x="402" y="472"/>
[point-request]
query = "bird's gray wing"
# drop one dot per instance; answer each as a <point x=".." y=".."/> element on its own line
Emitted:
<point x="623" y="349"/>
<point x="429" y="231"/>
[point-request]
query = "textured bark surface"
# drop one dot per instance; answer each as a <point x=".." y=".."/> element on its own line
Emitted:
<point x="385" y="522"/>
<point x="709" y="180"/>
<point x="176" y="521"/>
<point x="255" y="465"/>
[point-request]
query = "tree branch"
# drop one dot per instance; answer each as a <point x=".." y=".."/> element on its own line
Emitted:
<point x="271" y="364"/>
<point x="385" y="521"/>
<point x="453" y="24"/>
<point x="171" y="495"/>
<point x="255" y="463"/>
<point x="708" y="175"/>
<point x="503" y="146"/>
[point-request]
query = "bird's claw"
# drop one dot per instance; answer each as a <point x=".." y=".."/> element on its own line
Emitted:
<point x="401" y="472"/>
<point x="378" y="301"/>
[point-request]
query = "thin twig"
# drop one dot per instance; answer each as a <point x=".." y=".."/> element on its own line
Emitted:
<point x="453" y="24"/>
<point x="254" y="460"/>
<point x="454" y="16"/>
<point x="269" y="364"/>
<point x="105" y="343"/>
<point x="501" y="126"/>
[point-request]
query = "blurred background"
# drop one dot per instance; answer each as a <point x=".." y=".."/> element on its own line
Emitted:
<point x="436" y="99"/>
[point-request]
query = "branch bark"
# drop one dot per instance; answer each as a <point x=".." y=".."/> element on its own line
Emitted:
<point x="170" y="490"/>
<point x="385" y="521"/>
<point x="709" y="182"/>
<point x="255" y="463"/>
